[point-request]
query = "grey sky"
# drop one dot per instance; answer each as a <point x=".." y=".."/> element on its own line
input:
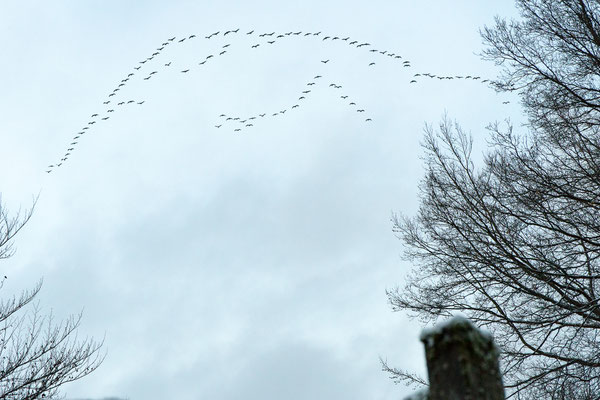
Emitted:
<point x="225" y="264"/>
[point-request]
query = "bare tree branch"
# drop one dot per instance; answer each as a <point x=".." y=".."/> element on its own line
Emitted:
<point x="37" y="356"/>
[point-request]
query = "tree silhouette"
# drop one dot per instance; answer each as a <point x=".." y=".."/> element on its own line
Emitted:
<point x="515" y="243"/>
<point x="37" y="356"/>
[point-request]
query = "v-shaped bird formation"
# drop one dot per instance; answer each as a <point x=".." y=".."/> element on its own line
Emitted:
<point x="150" y="67"/>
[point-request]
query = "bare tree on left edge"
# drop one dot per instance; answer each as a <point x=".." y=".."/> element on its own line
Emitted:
<point x="37" y="355"/>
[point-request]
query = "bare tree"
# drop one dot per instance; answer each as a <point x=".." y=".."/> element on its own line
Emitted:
<point x="37" y="356"/>
<point x="515" y="243"/>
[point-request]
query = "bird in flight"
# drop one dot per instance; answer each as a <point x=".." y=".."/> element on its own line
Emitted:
<point x="94" y="115"/>
<point x="168" y="64"/>
<point x="371" y="64"/>
<point x="185" y="70"/>
<point x="324" y="61"/>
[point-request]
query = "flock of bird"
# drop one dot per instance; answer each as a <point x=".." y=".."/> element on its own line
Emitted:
<point x="116" y="102"/>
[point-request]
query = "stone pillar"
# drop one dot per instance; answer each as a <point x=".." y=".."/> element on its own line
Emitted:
<point x="462" y="363"/>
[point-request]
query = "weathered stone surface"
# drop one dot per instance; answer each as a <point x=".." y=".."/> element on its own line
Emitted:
<point x="462" y="363"/>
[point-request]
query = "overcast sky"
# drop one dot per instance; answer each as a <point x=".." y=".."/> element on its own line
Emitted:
<point x="224" y="264"/>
